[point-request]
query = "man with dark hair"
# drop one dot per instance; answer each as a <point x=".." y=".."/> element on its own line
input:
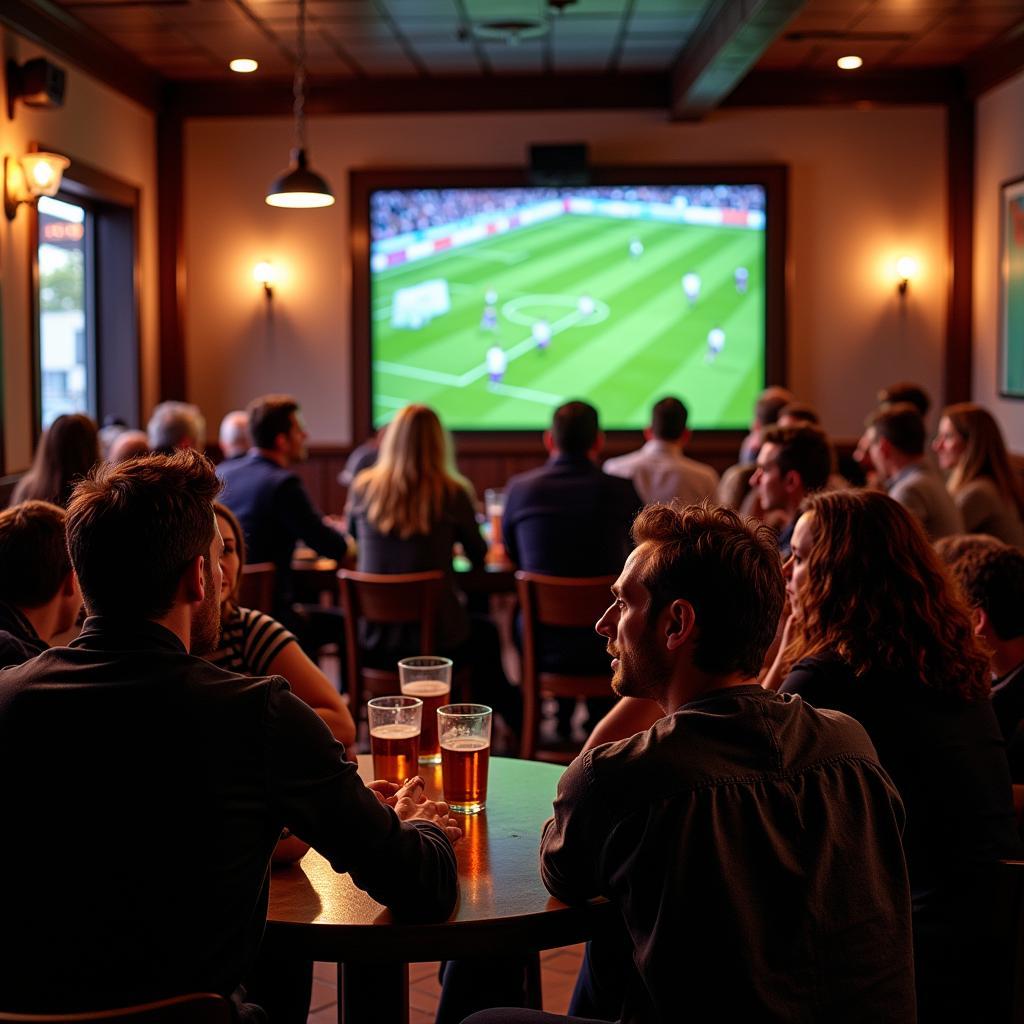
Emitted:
<point x="991" y="576"/>
<point x="792" y="463"/>
<point x="568" y="518"/>
<point x="905" y="391"/>
<point x="895" y="440"/>
<point x="769" y="404"/>
<point x="751" y="843"/>
<point x="39" y="595"/>
<point x="155" y="785"/>
<point x="660" y="471"/>
<point x="271" y="502"/>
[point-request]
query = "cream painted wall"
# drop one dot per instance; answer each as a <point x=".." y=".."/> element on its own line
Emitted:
<point x="999" y="157"/>
<point x="865" y="187"/>
<point x="101" y="128"/>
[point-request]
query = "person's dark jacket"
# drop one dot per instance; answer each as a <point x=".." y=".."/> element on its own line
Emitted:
<point x="18" y="639"/>
<point x="144" y="792"/>
<point x="275" y="512"/>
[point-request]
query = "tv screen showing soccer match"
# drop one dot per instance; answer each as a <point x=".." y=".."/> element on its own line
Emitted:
<point x="496" y="305"/>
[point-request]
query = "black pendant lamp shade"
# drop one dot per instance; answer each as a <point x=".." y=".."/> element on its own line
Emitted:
<point x="299" y="187"/>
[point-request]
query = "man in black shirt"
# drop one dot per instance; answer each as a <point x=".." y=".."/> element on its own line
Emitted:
<point x="39" y="596"/>
<point x="751" y="842"/>
<point x="153" y="786"/>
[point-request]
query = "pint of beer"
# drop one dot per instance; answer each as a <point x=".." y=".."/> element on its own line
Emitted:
<point x="465" y="734"/>
<point x="494" y="504"/>
<point x="395" y="736"/>
<point x="429" y="679"/>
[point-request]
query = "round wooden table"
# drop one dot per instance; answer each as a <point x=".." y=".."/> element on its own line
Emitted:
<point x="503" y="907"/>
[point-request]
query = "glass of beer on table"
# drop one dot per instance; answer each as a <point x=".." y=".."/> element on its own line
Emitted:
<point x="494" y="505"/>
<point x="464" y="731"/>
<point x="395" y="736"/>
<point x="430" y="679"/>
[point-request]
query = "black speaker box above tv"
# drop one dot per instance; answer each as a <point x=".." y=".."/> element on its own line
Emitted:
<point x="558" y="166"/>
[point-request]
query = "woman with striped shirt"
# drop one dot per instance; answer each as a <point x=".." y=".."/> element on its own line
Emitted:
<point x="254" y="644"/>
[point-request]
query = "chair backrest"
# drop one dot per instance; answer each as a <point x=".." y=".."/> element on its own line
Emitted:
<point x="385" y="599"/>
<point x="256" y="588"/>
<point x="558" y="601"/>
<point x="198" y="1008"/>
<point x="1009" y="939"/>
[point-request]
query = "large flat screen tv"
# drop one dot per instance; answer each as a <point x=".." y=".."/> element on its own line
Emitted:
<point x="494" y="301"/>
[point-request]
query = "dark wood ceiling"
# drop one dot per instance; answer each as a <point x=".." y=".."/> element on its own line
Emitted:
<point x="188" y="40"/>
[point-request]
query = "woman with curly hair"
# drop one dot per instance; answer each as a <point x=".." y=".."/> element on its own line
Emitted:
<point x="970" y="448"/>
<point x="878" y="631"/>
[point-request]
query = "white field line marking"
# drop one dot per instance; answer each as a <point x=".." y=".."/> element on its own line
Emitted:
<point x="391" y="402"/>
<point x="527" y="394"/>
<point x="470" y="376"/>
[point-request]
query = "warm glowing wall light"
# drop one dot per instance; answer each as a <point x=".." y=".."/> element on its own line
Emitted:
<point x="850" y="62"/>
<point x="34" y="175"/>
<point x="907" y="269"/>
<point x="244" y="65"/>
<point x="265" y="273"/>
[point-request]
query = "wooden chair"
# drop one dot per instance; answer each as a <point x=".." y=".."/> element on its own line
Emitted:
<point x="256" y="589"/>
<point x="384" y="599"/>
<point x="557" y="601"/>
<point x="198" y="1008"/>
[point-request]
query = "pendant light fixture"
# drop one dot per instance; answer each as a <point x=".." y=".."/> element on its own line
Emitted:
<point x="300" y="187"/>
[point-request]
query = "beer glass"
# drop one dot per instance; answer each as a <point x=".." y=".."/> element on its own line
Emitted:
<point x="494" y="505"/>
<point x="429" y="679"/>
<point x="395" y="736"/>
<point x="464" y="731"/>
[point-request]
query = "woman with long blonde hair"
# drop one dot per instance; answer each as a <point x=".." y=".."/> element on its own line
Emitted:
<point x="407" y="512"/>
<point x="981" y="479"/>
<point x="878" y="631"/>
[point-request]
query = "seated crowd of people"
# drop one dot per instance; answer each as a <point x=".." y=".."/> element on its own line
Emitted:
<point x="798" y="792"/>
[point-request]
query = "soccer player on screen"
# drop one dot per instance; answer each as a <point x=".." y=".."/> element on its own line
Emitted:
<point x="742" y="277"/>
<point x="716" y="342"/>
<point x="541" y="334"/>
<point x="489" y="320"/>
<point x="497" y="364"/>
<point x="691" y="287"/>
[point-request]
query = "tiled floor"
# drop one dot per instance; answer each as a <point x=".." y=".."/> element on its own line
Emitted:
<point x="558" y="974"/>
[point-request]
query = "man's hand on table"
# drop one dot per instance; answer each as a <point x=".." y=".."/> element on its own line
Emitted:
<point x="410" y="804"/>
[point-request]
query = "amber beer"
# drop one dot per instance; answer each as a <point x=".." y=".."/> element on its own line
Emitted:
<point x="434" y="693"/>
<point x="396" y="751"/>
<point x="464" y="762"/>
<point x="465" y="734"/>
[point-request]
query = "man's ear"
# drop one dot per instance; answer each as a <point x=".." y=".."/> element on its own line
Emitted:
<point x="687" y="434"/>
<point x="598" y="445"/>
<point x="648" y="434"/>
<point x="680" y="621"/>
<point x="194" y="580"/>
<point x="549" y="442"/>
<point x="982" y="627"/>
<point x="792" y="482"/>
<point x="69" y="588"/>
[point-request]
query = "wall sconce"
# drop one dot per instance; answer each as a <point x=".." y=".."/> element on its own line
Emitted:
<point x="906" y="271"/>
<point x="34" y="175"/>
<point x="265" y="273"/>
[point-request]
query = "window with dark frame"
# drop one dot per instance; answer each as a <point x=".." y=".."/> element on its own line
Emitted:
<point x="86" y="326"/>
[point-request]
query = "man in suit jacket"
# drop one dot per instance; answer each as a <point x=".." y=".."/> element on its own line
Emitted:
<point x="568" y="518"/>
<point x="270" y="500"/>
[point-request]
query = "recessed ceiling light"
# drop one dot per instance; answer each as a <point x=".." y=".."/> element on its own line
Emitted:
<point x="243" y="65"/>
<point x="850" y="63"/>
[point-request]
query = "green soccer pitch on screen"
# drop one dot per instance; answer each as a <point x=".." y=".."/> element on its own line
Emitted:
<point x="495" y="305"/>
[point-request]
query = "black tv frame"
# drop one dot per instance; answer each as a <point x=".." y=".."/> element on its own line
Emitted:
<point x="773" y="177"/>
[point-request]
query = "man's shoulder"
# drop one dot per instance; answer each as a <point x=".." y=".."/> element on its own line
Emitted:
<point x="15" y="650"/>
<point x="622" y="465"/>
<point x="253" y="469"/>
<point x="732" y="740"/>
<point x="699" y="470"/>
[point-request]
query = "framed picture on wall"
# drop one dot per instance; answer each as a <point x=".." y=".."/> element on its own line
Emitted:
<point x="1011" y="289"/>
